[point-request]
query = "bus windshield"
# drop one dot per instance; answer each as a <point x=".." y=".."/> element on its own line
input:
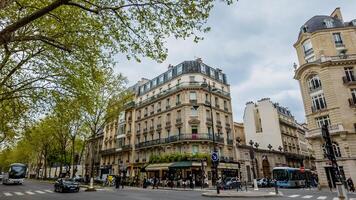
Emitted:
<point x="17" y="171"/>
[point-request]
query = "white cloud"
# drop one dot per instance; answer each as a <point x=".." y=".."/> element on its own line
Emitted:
<point x="252" y="42"/>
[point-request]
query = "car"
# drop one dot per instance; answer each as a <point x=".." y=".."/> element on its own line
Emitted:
<point x="1" y="175"/>
<point x="78" y="179"/>
<point x="231" y="183"/>
<point x="66" y="185"/>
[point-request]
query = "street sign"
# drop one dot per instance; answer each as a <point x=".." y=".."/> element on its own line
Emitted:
<point x="214" y="156"/>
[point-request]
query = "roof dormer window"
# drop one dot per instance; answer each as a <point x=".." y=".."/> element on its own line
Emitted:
<point x="329" y="23"/>
<point x="304" y="29"/>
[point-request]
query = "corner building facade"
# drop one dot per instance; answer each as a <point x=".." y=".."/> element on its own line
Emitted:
<point x="171" y="114"/>
<point x="326" y="49"/>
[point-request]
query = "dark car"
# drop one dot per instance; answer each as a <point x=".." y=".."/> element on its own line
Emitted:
<point x="66" y="185"/>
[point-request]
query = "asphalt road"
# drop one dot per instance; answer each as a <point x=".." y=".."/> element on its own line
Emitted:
<point x="35" y="190"/>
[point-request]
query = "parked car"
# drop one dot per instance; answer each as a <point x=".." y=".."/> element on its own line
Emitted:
<point x="264" y="182"/>
<point x="231" y="183"/>
<point x="66" y="185"/>
<point x="78" y="178"/>
<point x="1" y="175"/>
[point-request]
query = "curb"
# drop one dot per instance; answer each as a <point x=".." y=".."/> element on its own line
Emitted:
<point x="242" y="195"/>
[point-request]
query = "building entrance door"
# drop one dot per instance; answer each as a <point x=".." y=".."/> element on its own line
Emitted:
<point x="266" y="169"/>
<point x="330" y="175"/>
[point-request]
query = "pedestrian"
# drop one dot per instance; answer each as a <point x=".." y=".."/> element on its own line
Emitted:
<point x="238" y="184"/>
<point x="351" y="185"/>
<point x="117" y="182"/>
<point x="122" y="181"/>
<point x="155" y="182"/>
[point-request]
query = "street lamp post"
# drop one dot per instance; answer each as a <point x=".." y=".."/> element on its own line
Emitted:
<point x="269" y="147"/>
<point x="252" y="156"/>
<point x="215" y="164"/>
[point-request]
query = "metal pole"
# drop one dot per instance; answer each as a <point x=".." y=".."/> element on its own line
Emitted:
<point x="214" y="143"/>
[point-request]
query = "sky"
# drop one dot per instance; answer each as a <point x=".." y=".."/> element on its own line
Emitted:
<point x="252" y="42"/>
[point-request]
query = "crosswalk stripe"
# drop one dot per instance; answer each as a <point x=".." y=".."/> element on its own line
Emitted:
<point x="30" y="193"/>
<point x="39" y="192"/>
<point x="336" y="198"/>
<point x="49" y="191"/>
<point x="8" y="194"/>
<point x="19" y="193"/>
<point x="293" y="196"/>
<point x="322" y="197"/>
<point x="307" y="197"/>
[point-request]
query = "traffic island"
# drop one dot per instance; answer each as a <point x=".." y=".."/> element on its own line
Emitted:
<point x="249" y="194"/>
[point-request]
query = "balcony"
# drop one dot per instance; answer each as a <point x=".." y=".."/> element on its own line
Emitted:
<point x="207" y="103"/>
<point x="333" y="130"/>
<point x="227" y="124"/>
<point x="128" y="132"/>
<point x="339" y="44"/>
<point x="168" y="107"/>
<point x="180" y="87"/>
<point x="158" y="110"/>
<point x="108" y="151"/>
<point x="217" y="106"/>
<point x="152" y="112"/>
<point x="138" y="132"/>
<point x="159" y="127"/>
<point x="145" y="130"/>
<point x="138" y="117"/>
<point x="226" y="109"/>
<point x="178" y="103"/>
<point x="152" y="128"/>
<point x="352" y="102"/>
<point x="129" y="119"/>
<point x="179" y="121"/>
<point x="349" y="80"/>
<point x="182" y="137"/>
<point x="126" y="147"/>
<point x="145" y="115"/>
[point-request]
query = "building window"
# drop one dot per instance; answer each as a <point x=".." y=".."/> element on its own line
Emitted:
<point x="329" y="23"/>
<point x="308" y="48"/>
<point x="169" y="74"/>
<point x="323" y="120"/>
<point x="179" y="69"/>
<point x="178" y="99"/>
<point x="179" y="114"/>
<point x="318" y="102"/>
<point x="225" y="105"/>
<point x="158" y="106"/>
<point x="216" y="102"/>
<point x="349" y="72"/>
<point x="167" y="103"/>
<point x="337" y="39"/>
<point x="195" y="149"/>
<point x="160" y="79"/>
<point x="207" y="98"/>
<point x="194" y="111"/>
<point x="336" y="149"/>
<point x="192" y="96"/>
<point x="154" y="82"/>
<point x="353" y="22"/>
<point x="203" y="68"/>
<point x="314" y="83"/>
<point x="194" y="130"/>
<point x="212" y="73"/>
<point x="220" y="76"/>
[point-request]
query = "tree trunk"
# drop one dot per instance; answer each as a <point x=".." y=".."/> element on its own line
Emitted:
<point x="73" y="143"/>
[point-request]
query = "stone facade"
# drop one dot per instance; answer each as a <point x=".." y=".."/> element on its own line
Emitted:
<point x="171" y="114"/>
<point x="326" y="49"/>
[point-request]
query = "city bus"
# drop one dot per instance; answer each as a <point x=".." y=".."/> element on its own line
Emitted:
<point x="288" y="177"/>
<point x="15" y="175"/>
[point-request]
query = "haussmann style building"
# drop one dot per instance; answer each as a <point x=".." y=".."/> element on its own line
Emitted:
<point x="168" y="129"/>
<point x="326" y="49"/>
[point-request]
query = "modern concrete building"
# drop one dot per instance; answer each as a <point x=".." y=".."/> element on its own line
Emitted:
<point x="176" y="113"/>
<point x="271" y="126"/>
<point x="326" y="49"/>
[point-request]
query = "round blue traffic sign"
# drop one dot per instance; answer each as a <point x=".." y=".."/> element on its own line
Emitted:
<point x="214" y="156"/>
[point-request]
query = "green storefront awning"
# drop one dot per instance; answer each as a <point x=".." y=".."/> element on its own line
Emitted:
<point x="185" y="164"/>
<point x="157" y="166"/>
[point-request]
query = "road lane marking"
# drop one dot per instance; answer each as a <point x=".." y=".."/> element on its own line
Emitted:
<point x="49" y="191"/>
<point x="8" y="194"/>
<point x="293" y="196"/>
<point x="30" y="193"/>
<point x="322" y="197"/>
<point x="307" y="197"/>
<point x="39" y="192"/>
<point x="19" y="193"/>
